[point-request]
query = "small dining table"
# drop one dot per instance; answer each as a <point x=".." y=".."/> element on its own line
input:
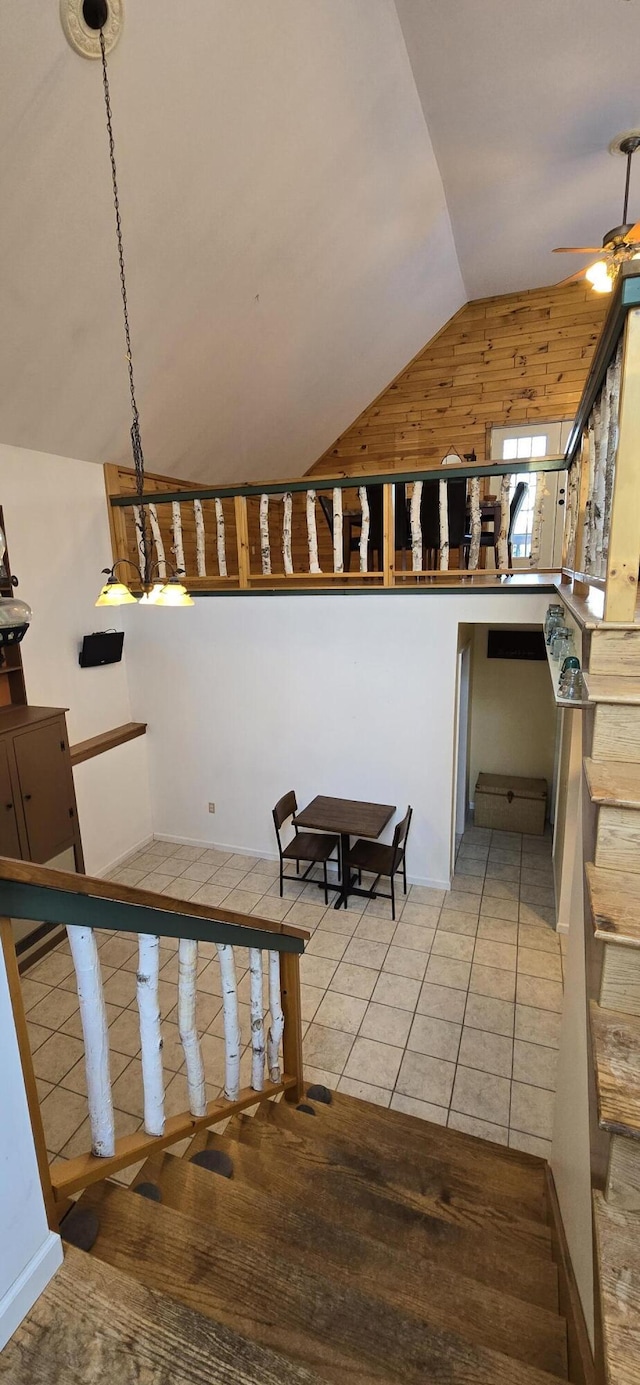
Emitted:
<point x="346" y="818"/>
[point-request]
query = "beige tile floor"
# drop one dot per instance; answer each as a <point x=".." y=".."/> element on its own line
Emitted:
<point x="451" y="1013"/>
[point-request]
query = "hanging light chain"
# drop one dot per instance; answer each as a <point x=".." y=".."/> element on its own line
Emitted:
<point x="136" y="440"/>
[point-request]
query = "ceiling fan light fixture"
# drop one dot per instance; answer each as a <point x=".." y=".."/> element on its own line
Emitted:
<point x="599" y="276"/>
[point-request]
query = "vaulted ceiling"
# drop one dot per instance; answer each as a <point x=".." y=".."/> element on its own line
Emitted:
<point x="309" y="191"/>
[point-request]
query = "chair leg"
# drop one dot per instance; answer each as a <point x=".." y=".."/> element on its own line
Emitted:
<point x="393" y="901"/>
<point x="281" y="880"/>
<point x="404" y="873"/>
<point x="326" y="896"/>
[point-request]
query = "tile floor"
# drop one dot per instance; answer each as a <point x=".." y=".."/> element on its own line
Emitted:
<point x="451" y="1013"/>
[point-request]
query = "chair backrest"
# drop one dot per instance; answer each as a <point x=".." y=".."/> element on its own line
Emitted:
<point x="285" y="808"/>
<point x="400" y="835"/>
<point x="430" y="513"/>
<point x="326" y="505"/>
<point x="402" y="530"/>
<point x="516" y="506"/>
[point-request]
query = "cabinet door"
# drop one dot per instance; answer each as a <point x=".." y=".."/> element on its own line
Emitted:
<point x="9" y="840"/>
<point x="46" y="786"/>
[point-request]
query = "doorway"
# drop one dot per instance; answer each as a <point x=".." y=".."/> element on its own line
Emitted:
<point x="461" y="749"/>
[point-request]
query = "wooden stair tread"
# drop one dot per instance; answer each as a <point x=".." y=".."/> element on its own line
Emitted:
<point x="618" y="1248"/>
<point x="295" y="1228"/>
<point x="612" y="688"/>
<point x="337" y="1331"/>
<point x="430" y="1188"/>
<point x="615" y="904"/>
<point x="519" y="1175"/>
<point x="616" y="782"/>
<point x="94" y="1325"/>
<point x="481" y="1254"/>
<point x="616" y="1044"/>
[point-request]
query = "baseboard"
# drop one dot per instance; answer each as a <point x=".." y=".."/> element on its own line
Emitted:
<point x="21" y="1296"/>
<point x="120" y="860"/>
<point x="423" y="880"/>
<point x="582" y="1369"/>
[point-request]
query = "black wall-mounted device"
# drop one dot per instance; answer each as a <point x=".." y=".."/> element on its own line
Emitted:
<point x="516" y="644"/>
<point x="104" y="647"/>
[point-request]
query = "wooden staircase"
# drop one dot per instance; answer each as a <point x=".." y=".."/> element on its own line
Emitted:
<point x="612" y="777"/>
<point x="328" y="1242"/>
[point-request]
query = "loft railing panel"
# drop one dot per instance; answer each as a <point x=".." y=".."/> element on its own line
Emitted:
<point x="602" y="431"/>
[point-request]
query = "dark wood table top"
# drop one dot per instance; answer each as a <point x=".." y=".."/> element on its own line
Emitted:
<point x="347" y="816"/>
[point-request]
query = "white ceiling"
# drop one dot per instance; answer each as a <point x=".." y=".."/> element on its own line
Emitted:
<point x="522" y="98"/>
<point x="288" y="239"/>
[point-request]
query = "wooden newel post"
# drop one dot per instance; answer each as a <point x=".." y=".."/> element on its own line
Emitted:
<point x="621" y="590"/>
<point x="24" y="1047"/>
<point x="242" y="540"/>
<point x="291" y="1008"/>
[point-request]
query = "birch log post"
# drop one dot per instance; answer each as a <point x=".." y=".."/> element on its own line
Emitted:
<point x="265" y="548"/>
<point x="364" y="528"/>
<point x="158" y="540"/>
<point x="614" y="374"/>
<point x="257" y="1019"/>
<point x="187" y="1028"/>
<point x="476" y="522"/>
<point x="573" y="489"/>
<point x="231" y="1020"/>
<point x="338" y="564"/>
<point x="220" y="538"/>
<point x="201" y="552"/>
<point x="542" y="492"/>
<point x="95" y="1030"/>
<point x="600" y="430"/>
<point x="276" y="1028"/>
<point x="312" y="533"/>
<point x="416" y="526"/>
<point x="444" y="525"/>
<point x="286" y="533"/>
<point x="503" y="532"/>
<point x="176" y="524"/>
<point x="588" y="536"/>
<point x="147" y="993"/>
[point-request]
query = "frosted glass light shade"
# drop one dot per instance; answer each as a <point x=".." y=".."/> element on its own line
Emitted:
<point x="152" y="597"/>
<point x="115" y="594"/>
<point x="174" y="594"/>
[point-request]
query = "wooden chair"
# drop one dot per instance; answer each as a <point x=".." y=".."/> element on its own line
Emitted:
<point x="379" y="859"/>
<point x="314" y="847"/>
<point x="430" y="519"/>
<point x="489" y="537"/>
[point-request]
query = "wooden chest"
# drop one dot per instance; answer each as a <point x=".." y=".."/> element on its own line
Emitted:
<point x="510" y="804"/>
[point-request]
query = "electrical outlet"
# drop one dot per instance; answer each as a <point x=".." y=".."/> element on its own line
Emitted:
<point x="212" y="807"/>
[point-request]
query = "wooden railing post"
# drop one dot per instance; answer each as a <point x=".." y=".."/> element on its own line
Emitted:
<point x="388" y="536"/>
<point x="292" y="1010"/>
<point x="621" y="591"/>
<point x="242" y="540"/>
<point x="24" y="1047"/>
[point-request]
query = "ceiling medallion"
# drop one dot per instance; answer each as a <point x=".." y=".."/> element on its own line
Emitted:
<point x="82" y="21"/>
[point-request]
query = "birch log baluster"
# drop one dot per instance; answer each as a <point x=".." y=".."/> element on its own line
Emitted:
<point x="613" y="385"/>
<point x="187" y="981"/>
<point x="536" y="528"/>
<point x="276" y="1028"/>
<point x="265" y="550"/>
<point x="503" y="533"/>
<point x="476" y="522"/>
<point x="312" y="533"/>
<point x="573" y="488"/>
<point x="338" y="564"/>
<point x="220" y="538"/>
<point x="178" y="546"/>
<point x="586" y="556"/>
<point x="286" y="533"/>
<point x="95" y="1031"/>
<point x="157" y="539"/>
<point x="444" y="525"/>
<point x="416" y="526"/>
<point x="601" y="430"/>
<point x="147" y="993"/>
<point x="231" y="1020"/>
<point x="257" y="1019"/>
<point x="364" y="529"/>
<point x="201" y="552"/>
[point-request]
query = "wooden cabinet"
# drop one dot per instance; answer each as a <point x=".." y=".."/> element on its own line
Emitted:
<point x="38" y="814"/>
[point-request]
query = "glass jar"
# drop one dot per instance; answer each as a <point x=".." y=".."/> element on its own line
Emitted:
<point x="553" y="612"/>
<point x="554" y="622"/>
<point x="560" y="643"/>
<point x="571" y="685"/>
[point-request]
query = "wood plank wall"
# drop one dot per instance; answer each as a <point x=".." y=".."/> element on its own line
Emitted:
<point x="519" y="357"/>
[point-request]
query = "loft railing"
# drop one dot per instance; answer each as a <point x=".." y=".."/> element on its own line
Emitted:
<point x="388" y="530"/>
<point x="602" y="530"/>
<point x="86" y="906"/>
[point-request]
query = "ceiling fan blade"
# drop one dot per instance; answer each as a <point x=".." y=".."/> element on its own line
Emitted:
<point x="578" y="249"/>
<point x="573" y="279"/>
<point x="634" y="233"/>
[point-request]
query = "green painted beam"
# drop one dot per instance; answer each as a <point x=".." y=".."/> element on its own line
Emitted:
<point x="323" y="483"/>
<point x="24" y="901"/>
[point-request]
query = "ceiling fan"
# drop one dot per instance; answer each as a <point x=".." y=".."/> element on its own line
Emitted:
<point x="618" y="245"/>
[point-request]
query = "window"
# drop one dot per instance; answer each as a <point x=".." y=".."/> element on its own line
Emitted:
<point x="523" y="444"/>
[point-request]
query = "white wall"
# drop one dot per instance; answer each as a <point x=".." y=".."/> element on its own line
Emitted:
<point x="29" y="1252"/>
<point x="513" y="714"/>
<point x="58" y="539"/>
<point x="349" y="695"/>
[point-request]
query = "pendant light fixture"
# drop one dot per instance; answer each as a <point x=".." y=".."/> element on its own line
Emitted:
<point x="83" y="20"/>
